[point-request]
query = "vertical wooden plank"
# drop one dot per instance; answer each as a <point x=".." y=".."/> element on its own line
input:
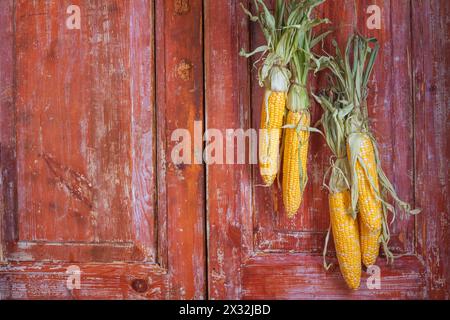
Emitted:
<point x="229" y="185"/>
<point x="109" y="126"/>
<point x="7" y="121"/>
<point x="431" y="65"/>
<point x="180" y="102"/>
<point x="118" y="83"/>
<point x="142" y="55"/>
<point x="390" y="107"/>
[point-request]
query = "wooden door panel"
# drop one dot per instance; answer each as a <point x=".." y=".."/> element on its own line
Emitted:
<point x="255" y="252"/>
<point x="74" y="110"/>
<point x="84" y="175"/>
<point x="300" y="276"/>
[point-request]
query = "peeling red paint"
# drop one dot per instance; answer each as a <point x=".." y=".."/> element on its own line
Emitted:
<point x="85" y="157"/>
<point x="86" y="177"/>
<point x="281" y="259"/>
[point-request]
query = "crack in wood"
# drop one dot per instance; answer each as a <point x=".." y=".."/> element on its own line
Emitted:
<point x="76" y="183"/>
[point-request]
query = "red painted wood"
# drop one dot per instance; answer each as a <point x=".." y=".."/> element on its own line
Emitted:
<point x="31" y="280"/>
<point x="74" y="141"/>
<point x="91" y="130"/>
<point x="431" y="60"/>
<point x="271" y="257"/>
<point x="390" y="107"/>
<point x="142" y="30"/>
<point x="300" y="276"/>
<point x="86" y="120"/>
<point x="179" y="96"/>
<point x="7" y="127"/>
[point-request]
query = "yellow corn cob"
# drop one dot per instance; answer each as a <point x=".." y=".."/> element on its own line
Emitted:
<point x="369" y="206"/>
<point x="270" y="135"/>
<point x="292" y="196"/>
<point x="370" y="246"/>
<point x="346" y="238"/>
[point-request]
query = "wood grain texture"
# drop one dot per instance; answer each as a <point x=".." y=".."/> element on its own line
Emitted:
<point x="95" y="179"/>
<point x="229" y="189"/>
<point x="7" y="119"/>
<point x="143" y="123"/>
<point x="431" y="64"/>
<point x="74" y="127"/>
<point x="86" y="119"/>
<point x="179" y="94"/>
<point x="98" y="281"/>
<point x="391" y="108"/>
<point x="280" y="259"/>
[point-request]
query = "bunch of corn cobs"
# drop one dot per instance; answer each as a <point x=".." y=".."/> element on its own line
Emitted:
<point x="358" y="188"/>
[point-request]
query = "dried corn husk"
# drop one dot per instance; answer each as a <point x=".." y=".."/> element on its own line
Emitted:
<point x="349" y="81"/>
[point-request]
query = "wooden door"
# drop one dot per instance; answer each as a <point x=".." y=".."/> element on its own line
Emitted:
<point x="87" y="184"/>
<point x="88" y="187"/>
<point x="257" y="253"/>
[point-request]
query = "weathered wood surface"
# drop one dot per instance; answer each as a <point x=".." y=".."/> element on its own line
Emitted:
<point x="85" y="150"/>
<point x="300" y="276"/>
<point x="251" y="243"/>
<point x="7" y="125"/>
<point x="86" y="176"/>
<point x="74" y="133"/>
<point x="47" y="280"/>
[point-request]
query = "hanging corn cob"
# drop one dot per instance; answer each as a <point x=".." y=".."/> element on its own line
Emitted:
<point x="274" y="75"/>
<point x="369" y="184"/>
<point x="297" y="128"/>
<point x="344" y="225"/>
